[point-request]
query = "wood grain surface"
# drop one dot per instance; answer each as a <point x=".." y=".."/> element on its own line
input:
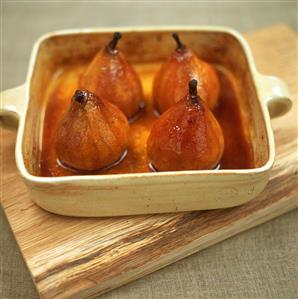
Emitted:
<point x="71" y="257"/>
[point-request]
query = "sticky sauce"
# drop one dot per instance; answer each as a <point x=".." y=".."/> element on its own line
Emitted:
<point x="237" y="153"/>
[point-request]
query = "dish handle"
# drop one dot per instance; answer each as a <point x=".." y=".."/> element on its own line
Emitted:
<point x="275" y="93"/>
<point x="12" y="106"/>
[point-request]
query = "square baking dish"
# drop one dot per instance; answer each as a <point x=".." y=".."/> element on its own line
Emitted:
<point x="156" y="192"/>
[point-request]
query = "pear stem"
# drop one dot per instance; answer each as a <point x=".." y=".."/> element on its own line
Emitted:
<point x="180" y="45"/>
<point x="113" y="43"/>
<point x="192" y="86"/>
<point x="80" y="96"/>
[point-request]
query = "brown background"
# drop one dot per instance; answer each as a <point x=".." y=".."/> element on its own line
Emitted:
<point x="261" y="263"/>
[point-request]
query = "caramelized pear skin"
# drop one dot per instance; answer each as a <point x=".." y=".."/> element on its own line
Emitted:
<point x="186" y="137"/>
<point x="110" y="77"/>
<point x="93" y="133"/>
<point x="170" y="84"/>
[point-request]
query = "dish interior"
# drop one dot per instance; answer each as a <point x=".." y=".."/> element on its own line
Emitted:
<point x="62" y="59"/>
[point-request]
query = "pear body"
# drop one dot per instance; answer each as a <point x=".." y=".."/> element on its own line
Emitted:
<point x="171" y="81"/>
<point x="110" y="77"/>
<point x="92" y="135"/>
<point x="185" y="137"/>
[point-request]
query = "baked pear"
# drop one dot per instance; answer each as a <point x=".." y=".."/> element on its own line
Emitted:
<point x="110" y="77"/>
<point x="93" y="133"/>
<point x="170" y="83"/>
<point x="186" y="137"/>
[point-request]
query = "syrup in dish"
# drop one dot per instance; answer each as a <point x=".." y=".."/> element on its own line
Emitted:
<point x="237" y="154"/>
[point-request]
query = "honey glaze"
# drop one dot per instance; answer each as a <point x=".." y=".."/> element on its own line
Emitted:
<point x="237" y="153"/>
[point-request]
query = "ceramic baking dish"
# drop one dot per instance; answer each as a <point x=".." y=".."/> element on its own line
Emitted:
<point x="129" y="194"/>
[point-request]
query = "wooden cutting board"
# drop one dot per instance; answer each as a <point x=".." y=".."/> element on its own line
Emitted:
<point x="77" y="258"/>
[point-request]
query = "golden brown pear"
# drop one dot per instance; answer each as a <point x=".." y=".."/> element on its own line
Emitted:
<point x="93" y="133"/>
<point x="171" y="81"/>
<point x="186" y="137"/>
<point x="113" y="79"/>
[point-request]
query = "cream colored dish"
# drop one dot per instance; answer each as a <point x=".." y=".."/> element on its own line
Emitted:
<point x="144" y="193"/>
